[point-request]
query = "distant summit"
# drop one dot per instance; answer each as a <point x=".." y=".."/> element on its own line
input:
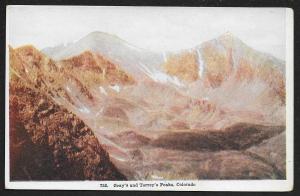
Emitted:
<point x="213" y="62"/>
<point x="228" y="34"/>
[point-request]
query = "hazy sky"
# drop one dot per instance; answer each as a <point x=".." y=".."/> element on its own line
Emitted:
<point x="154" y="28"/>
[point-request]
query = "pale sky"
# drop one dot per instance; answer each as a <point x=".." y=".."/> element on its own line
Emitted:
<point x="152" y="28"/>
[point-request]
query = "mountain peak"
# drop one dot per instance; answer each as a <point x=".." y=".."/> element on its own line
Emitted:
<point x="228" y="36"/>
<point x="229" y="40"/>
<point x="98" y="35"/>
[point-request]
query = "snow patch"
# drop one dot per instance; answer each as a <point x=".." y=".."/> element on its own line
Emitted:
<point x="102" y="90"/>
<point x="68" y="89"/>
<point x="146" y="69"/>
<point x="165" y="78"/>
<point x="205" y="98"/>
<point x="84" y="109"/>
<point x="115" y="88"/>
<point x="161" y="77"/>
<point x="165" y="56"/>
<point x="200" y="63"/>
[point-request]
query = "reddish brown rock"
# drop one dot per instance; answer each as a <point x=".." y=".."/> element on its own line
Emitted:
<point x="49" y="143"/>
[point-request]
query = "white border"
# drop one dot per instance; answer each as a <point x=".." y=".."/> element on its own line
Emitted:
<point x="200" y="185"/>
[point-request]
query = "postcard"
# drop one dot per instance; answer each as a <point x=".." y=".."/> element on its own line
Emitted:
<point x="149" y="98"/>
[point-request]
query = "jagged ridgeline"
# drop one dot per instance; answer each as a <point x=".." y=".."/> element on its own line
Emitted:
<point x="102" y="109"/>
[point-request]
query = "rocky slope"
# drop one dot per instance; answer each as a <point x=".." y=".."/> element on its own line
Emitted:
<point x="48" y="142"/>
<point x="227" y="58"/>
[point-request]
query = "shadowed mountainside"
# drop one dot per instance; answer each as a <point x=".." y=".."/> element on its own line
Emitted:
<point x="237" y="137"/>
<point x="49" y="143"/>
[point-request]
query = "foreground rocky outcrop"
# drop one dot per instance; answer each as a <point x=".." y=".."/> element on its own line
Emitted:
<point x="49" y="143"/>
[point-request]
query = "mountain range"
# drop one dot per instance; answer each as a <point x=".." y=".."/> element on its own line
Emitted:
<point x="218" y="99"/>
